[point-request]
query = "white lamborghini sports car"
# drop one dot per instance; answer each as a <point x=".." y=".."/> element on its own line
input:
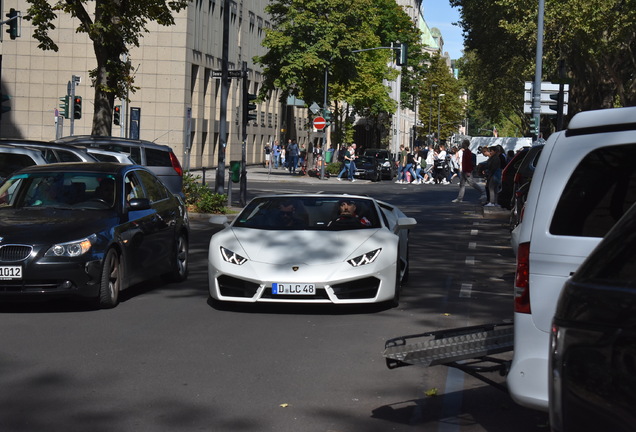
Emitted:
<point x="339" y="249"/>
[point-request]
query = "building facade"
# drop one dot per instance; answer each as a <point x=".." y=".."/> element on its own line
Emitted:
<point x="178" y="96"/>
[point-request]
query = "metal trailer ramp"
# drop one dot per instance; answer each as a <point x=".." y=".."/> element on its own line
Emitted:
<point x="465" y="348"/>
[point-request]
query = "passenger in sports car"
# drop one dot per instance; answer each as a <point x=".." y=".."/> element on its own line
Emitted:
<point x="288" y="215"/>
<point x="348" y="216"/>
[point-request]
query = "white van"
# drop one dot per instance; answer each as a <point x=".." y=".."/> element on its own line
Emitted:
<point x="584" y="181"/>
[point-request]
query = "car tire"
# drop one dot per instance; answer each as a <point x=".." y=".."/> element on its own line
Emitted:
<point x="110" y="282"/>
<point x="179" y="264"/>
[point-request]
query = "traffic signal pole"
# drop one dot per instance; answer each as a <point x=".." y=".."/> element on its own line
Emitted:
<point x="225" y="90"/>
<point x="536" y="88"/>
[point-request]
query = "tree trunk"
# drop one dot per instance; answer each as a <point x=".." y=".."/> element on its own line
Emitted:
<point x="103" y="115"/>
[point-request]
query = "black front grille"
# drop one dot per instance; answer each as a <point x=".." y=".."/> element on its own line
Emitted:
<point x="40" y="286"/>
<point x="233" y="287"/>
<point x="13" y="253"/>
<point x="366" y="288"/>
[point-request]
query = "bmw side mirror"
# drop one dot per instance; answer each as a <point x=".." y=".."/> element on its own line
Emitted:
<point x="139" y="204"/>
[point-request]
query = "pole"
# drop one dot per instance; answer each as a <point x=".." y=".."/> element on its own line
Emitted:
<point x="430" y="113"/>
<point x="243" y="186"/>
<point x="439" y="114"/>
<point x="536" y="88"/>
<point x="225" y="90"/>
<point x="324" y="130"/>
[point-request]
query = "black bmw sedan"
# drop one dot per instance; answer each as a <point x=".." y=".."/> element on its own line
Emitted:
<point x="88" y="230"/>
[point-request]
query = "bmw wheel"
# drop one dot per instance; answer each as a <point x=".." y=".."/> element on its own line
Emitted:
<point x="179" y="271"/>
<point x="110" y="282"/>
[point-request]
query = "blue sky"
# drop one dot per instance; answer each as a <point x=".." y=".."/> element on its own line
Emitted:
<point x="439" y="13"/>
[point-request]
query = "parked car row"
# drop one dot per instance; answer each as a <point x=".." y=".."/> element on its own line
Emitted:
<point x="160" y="159"/>
<point x="583" y="183"/>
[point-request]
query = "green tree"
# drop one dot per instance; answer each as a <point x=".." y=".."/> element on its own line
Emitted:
<point x="450" y="109"/>
<point x="595" y="38"/>
<point x="113" y="26"/>
<point x="311" y="37"/>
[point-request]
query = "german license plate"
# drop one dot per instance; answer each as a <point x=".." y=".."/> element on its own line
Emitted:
<point x="293" y="288"/>
<point x="10" y="272"/>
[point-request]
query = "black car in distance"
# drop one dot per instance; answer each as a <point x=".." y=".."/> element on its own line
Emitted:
<point x="593" y="340"/>
<point x="368" y="168"/>
<point x="88" y="230"/>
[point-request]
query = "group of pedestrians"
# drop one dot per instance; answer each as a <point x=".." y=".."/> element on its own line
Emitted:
<point x="291" y="156"/>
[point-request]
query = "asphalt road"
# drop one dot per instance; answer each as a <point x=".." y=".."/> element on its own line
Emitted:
<point x="166" y="359"/>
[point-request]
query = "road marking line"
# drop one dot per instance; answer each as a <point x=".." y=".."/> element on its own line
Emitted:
<point x="474" y="232"/>
<point x="470" y="260"/>
<point x="466" y="290"/>
<point x="472" y="245"/>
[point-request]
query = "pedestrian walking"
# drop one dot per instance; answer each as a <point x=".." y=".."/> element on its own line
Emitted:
<point x="466" y="166"/>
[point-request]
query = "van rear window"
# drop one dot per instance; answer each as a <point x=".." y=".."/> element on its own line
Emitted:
<point x="157" y="158"/>
<point x="600" y="190"/>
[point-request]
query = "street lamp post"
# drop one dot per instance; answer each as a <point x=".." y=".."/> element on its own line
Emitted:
<point x="430" y="113"/>
<point x="439" y="106"/>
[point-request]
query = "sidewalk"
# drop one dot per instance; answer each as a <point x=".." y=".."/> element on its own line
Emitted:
<point x="282" y="175"/>
<point x="260" y="173"/>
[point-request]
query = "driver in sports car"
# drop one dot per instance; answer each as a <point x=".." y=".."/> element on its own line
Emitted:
<point x="348" y="216"/>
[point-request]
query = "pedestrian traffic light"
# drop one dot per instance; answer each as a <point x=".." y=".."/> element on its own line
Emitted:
<point x="248" y="107"/>
<point x="14" y="23"/>
<point x="77" y="107"/>
<point x="116" y="114"/>
<point x="401" y="55"/>
<point x="64" y="112"/>
<point x="326" y="114"/>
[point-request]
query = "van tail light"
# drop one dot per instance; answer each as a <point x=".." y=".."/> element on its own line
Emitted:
<point x="175" y="164"/>
<point x="522" y="279"/>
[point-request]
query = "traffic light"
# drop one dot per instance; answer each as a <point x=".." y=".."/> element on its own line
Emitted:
<point x="401" y="55"/>
<point x="326" y="114"/>
<point x="14" y="23"/>
<point x="116" y="114"/>
<point x="248" y="106"/>
<point x="77" y="107"/>
<point x="64" y="112"/>
<point x="534" y="126"/>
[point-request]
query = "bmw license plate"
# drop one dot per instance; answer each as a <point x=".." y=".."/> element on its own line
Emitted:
<point x="10" y="272"/>
<point x="293" y="288"/>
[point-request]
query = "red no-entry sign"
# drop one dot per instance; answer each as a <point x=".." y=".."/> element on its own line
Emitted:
<point x="320" y="123"/>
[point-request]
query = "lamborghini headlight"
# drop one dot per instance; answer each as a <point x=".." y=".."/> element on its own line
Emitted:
<point x="232" y="257"/>
<point x="364" y="259"/>
<point x="72" y="249"/>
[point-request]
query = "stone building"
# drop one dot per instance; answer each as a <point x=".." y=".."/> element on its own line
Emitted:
<point x="178" y="95"/>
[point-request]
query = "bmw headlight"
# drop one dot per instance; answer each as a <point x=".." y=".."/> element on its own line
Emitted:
<point x="72" y="249"/>
<point x="386" y="164"/>
<point x="232" y="257"/>
<point x="364" y="259"/>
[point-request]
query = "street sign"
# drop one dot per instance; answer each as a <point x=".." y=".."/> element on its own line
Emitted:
<point x="320" y="123"/>
<point x="230" y="74"/>
<point x="314" y="108"/>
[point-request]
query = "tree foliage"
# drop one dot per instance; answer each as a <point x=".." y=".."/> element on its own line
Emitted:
<point x="448" y="110"/>
<point x="309" y="38"/>
<point x="113" y="26"/>
<point x="595" y="39"/>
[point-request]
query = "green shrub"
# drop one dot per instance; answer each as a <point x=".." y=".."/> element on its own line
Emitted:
<point x="334" y="168"/>
<point x="200" y="198"/>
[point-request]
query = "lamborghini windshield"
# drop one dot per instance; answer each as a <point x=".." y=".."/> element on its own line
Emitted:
<point x="309" y="213"/>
